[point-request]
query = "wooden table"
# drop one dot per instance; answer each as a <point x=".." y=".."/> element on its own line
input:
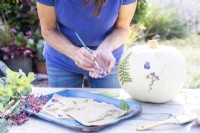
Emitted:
<point x="184" y="102"/>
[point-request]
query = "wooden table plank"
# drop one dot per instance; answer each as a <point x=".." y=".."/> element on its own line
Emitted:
<point x="184" y="102"/>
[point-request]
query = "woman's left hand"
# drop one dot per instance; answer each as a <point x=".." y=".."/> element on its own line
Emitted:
<point x="105" y="60"/>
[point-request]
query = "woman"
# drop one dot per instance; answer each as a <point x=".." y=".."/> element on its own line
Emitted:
<point x="103" y="25"/>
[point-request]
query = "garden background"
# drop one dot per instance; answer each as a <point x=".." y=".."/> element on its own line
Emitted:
<point x="175" y="23"/>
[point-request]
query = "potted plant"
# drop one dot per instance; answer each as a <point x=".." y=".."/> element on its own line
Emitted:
<point x="19" y="53"/>
<point x="40" y="63"/>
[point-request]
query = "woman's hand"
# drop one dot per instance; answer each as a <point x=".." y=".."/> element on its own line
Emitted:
<point x="84" y="59"/>
<point x="105" y="60"/>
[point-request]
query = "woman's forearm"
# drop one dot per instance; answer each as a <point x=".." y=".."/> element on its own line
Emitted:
<point x="121" y="32"/>
<point x="115" y="39"/>
<point x="59" y="42"/>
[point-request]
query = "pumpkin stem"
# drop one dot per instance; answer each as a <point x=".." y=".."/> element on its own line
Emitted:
<point x="153" y="43"/>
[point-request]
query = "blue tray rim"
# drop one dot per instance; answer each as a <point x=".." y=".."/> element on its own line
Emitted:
<point x="79" y="126"/>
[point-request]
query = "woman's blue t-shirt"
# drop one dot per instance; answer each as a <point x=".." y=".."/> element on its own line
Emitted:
<point x="73" y="17"/>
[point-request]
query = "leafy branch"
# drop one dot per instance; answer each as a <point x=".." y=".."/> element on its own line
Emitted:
<point x="15" y="91"/>
<point x="123" y="70"/>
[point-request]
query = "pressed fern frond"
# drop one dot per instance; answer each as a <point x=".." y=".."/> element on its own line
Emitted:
<point x="123" y="70"/>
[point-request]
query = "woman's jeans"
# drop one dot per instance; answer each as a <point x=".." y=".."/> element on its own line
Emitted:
<point x="65" y="79"/>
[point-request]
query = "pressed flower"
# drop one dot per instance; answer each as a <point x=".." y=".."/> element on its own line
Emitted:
<point x="147" y="65"/>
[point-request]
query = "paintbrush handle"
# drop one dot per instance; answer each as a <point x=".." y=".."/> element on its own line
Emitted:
<point x="171" y="120"/>
<point x="88" y="49"/>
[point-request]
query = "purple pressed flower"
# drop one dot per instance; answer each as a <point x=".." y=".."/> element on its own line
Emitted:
<point x="60" y="115"/>
<point x="157" y="77"/>
<point x="102" y="73"/>
<point x="54" y="100"/>
<point x="49" y="105"/>
<point x="153" y="77"/>
<point x="147" y="65"/>
<point x="153" y="74"/>
<point x="13" y="30"/>
<point x="29" y="33"/>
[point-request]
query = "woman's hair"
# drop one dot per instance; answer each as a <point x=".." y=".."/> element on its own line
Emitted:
<point x="97" y="5"/>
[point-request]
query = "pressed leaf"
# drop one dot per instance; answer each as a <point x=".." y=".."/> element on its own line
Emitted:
<point x="123" y="70"/>
<point x="123" y="105"/>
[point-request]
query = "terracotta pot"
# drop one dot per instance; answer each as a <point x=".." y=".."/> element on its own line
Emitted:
<point x="40" y="67"/>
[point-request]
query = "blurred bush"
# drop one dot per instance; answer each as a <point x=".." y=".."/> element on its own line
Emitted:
<point x="6" y="37"/>
<point x="21" y="15"/>
<point x="136" y="29"/>
<point x="195" y="82"/>
<point x="141" y="11"/>
<point x="164" y="23"/>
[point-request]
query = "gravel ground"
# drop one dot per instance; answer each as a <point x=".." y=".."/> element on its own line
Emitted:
<point x="41" y="80"/>
<point x="40" y="83"/>
<point x="44" y="82"/>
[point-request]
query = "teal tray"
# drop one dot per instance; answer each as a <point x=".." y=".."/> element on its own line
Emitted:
<point x="99" y="98"/>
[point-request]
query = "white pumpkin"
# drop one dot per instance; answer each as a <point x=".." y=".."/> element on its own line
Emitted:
<point x="152" y="73"/>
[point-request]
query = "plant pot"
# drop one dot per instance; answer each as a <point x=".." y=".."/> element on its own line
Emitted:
<point x="40" y="67"/>
<point x="25" y="64"/>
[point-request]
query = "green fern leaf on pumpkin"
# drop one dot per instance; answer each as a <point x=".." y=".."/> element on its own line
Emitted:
<point x="124" y="67"/>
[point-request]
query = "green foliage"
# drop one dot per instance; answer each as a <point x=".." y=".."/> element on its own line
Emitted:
<point x="141" y="11"/>
<point x="195" y="82"/>
<point x="39" y="50"/>
<point x="123" y="70"/>
<point x="10" y="13"/>
<point x="123" y="105"/>
<point x="3" y="126"/>
<point x="22" y="16"/>
<point x="6" y="37"/>
<point x="164" y="23"/>
<point x="1" y="107"/>
<point x="29" y="42"/>
<point x="14" y="85"/>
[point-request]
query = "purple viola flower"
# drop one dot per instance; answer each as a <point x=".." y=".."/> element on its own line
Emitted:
<point x="13" y="30"/>
<point x="147" y="65"/>
<point x="29" y="33"/>
<point x="26" y="38"/>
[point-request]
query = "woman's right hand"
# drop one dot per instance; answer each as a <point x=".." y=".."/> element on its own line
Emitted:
<point x="84" y="59"/>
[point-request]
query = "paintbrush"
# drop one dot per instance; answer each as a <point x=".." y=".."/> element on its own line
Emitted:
<point x="179" y="119"/>
<point x="101" y="73"/>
